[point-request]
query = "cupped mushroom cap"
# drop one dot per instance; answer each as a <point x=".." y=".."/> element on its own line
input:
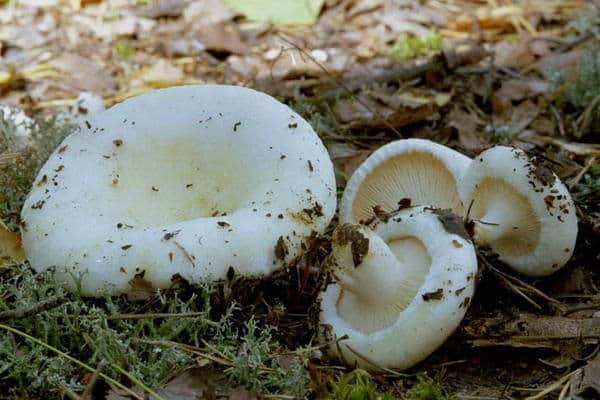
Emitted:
<point x="194" y="181"/>
<point x="401" y="290"/>
<point x="520" y="209"/>
<point x="417" y="169"/>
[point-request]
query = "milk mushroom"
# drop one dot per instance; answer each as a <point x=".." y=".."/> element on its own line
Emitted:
<point x="520" y="209"/>
<point x="397" y="304"/>
<point x="198" y="182"/>
<point x="420" y="170"/>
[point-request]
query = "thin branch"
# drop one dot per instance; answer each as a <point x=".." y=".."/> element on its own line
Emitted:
<point x="45" y="305"/>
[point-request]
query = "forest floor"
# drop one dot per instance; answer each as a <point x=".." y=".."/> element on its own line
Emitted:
<point x="465" y="73"/>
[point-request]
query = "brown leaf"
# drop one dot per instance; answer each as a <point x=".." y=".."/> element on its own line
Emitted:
<point x="222" y="37"/>
<point x="162" y="8"/>
<point x="379" y="109"/>
<point x="193" y="384"/>
<point x="589" y="377"/>
<point x="346" y="157"/>
<point x="84" y="74"/>
<point x="467" y="125"/>
<point x="11" y="249"/>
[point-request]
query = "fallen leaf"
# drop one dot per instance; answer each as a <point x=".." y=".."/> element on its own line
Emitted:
<point x="11" y="248"/>
<point x="589" y="378"/>
<point x="346" y="158"/>
<point x="222" y="38"/>
<point x="161" y="74"/>
<point x="467" y="127"/>
<point x="278" y="11"/>
<point x="84" y="74"/>
<point x="379" y="109"/>
<point x="193" y="384"/>
<point x="207" y="12"/>
<point x="162" y="8"/>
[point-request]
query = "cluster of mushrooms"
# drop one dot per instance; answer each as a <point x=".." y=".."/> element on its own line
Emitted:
<point x="202" y="182"/>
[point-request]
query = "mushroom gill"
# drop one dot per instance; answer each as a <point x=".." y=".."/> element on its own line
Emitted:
<point x="503" y="218"/>
<point x="418" y="176"/>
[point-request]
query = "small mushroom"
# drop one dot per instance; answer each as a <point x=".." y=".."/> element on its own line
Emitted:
<point x="400" y="289"/>
<point x="520" y="209"/>
<point x="417" y="171"/>
<point x="187" y="181"/>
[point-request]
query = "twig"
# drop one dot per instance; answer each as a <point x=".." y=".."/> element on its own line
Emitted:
<point x="156" y="315"/>
<point x="519" y="284"/>
<point x="191" y="349"/>
<point x="8" y="157"/>
<point x="34" y="308"/>
<point x="554" y="386"/>
<point x="582" y="307"/>
<point x="76" y="361"/>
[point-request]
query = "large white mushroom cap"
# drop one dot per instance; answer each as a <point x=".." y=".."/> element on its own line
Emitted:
<point x="195" y="181"/>
<point x="401" y="289"/>
<point x="417" y="169"/>
<point x="521" y="210"/>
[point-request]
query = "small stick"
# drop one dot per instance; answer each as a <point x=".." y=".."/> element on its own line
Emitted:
<point x="33" y="309"/>
<point x="155" y="315"/>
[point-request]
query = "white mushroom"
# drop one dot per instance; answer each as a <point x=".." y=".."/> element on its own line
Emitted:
<point x="194" y="181"/>
<point x="397" y="307"/>
<point x="420" y="170"/>
<point x="520" y="209"/>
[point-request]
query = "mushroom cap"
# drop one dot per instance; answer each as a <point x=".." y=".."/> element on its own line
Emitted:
<point x="420" y="170"/>
<point x="442" y="288"/>
<point x="536" y="223"/>
<point x="193" y="181"/>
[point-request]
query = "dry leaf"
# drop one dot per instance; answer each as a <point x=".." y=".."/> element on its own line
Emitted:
<point x="379" y="110"/>
<point x="470" y="135"/>
<point x="346" y="157"/>
<point x="207" y="12"/>
<point x="589" y="377"/>
<point x="85" y="75"/>
<point x="11" y="249"/>
<point x="222" y="38"/>
<point x="193" y="384"/>
<point x="162" y="8"/>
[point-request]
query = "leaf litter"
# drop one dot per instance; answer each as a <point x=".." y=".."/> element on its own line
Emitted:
<point x="363" y="73"/>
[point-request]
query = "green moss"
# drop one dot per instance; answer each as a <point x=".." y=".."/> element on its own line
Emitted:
<point x="578" y="95"/>
<point x="17" y="175"/>
<point x="429" y="389"/>
<point x="357" y="385"/>
<point x="409" y="47"/>
<point x="83" y="329"/>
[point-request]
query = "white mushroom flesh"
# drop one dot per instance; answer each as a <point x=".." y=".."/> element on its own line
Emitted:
<point x="193" y="181"/>
<point x="401" y="289"/>
<point x="520" y="209"/>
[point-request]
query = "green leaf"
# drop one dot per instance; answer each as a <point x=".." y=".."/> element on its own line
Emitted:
<point x="278" y="11"/>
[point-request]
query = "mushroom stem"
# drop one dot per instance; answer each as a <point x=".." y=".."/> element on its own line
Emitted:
<point x="380" y="284"/>
<point x="499" y="221"/>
